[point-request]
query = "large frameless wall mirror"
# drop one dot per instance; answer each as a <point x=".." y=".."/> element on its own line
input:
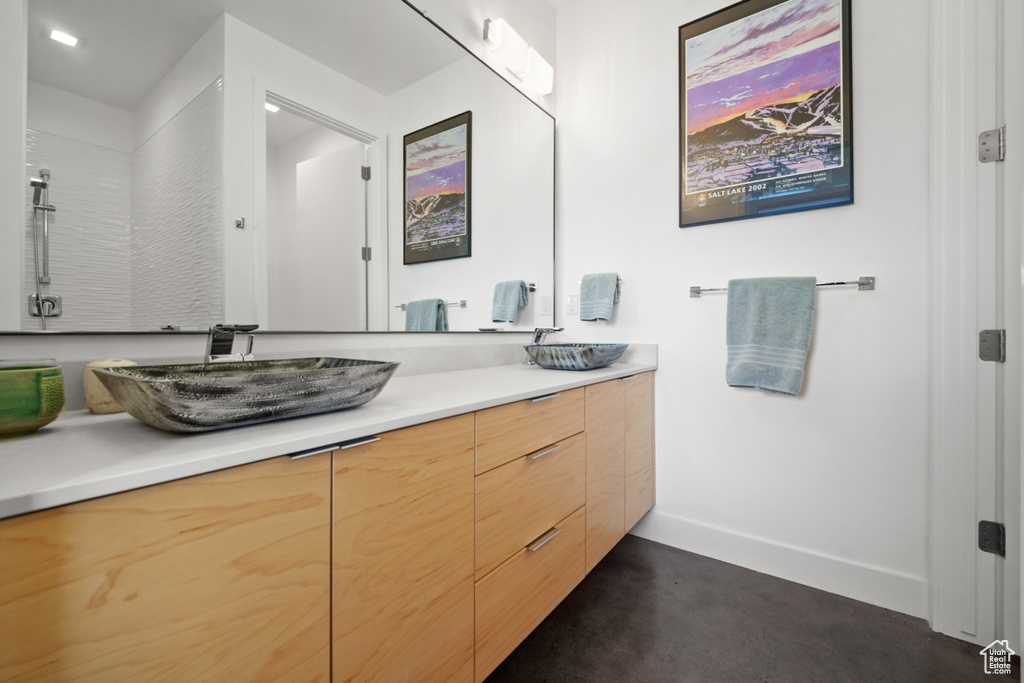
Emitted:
<point x="203" y="161"/>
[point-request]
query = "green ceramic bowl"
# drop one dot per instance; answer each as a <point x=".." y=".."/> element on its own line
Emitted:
<point x="31" y="396"/>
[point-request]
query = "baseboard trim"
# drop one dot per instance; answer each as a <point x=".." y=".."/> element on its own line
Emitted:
<point x="891" y="590"/>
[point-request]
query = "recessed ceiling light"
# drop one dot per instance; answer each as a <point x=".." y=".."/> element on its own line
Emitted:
<point x="272" y="107"/>
<point x="65" y="38"/>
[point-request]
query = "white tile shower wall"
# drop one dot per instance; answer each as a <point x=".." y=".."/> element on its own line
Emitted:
<point x="90" y="246"/>
<point x="177" y="263"/>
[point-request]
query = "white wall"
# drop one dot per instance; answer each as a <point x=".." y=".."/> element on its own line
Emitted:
<point x="511" y="238"/>
<point x="79" y="118"/>
<point x="203" y="62"/>
<point x="13" y="179"/>
<point x="828" y="488"/>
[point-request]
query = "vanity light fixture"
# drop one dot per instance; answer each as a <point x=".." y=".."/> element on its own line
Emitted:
<point x="272" y="108"/>
<point x="507" y="45"/>
<point x="521" y="60"/>
<point x="65" y="38"/>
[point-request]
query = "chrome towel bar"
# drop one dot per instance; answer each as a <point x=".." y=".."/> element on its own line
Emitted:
<point x="460" y="304"/>
<point x="865" y="283"/>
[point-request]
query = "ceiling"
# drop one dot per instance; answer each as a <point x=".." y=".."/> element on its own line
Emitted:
<point x="130" y="45"/>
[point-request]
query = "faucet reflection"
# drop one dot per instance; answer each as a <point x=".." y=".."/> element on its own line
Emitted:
<point x="220" y="344"/>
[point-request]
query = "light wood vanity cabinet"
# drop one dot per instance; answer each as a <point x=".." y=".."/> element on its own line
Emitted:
<point x="606" y="468"/>
<point x="620" y="460"/>
<point x="222" y="576"/>
<point x="639" y="444"/>
<point x="530" y="517"/>
<point x="427" y="555"/>
<point x="403" y="555"/>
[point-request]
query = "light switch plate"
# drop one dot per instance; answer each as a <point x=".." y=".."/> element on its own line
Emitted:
<point x="572" y="304"/>
<point x="545" y="305"/>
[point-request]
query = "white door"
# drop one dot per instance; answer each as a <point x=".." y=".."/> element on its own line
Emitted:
<point x="975" y="409"/>
<point x="316" y="225"/>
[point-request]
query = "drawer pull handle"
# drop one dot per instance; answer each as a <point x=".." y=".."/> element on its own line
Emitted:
<point x="544" y="398"/>
<point x="626" y="379"/>
<point x="312" y="451"/>
<point x="541" y="455"/>
<point x="357" y="442"/>
<point x="547" y="536"/>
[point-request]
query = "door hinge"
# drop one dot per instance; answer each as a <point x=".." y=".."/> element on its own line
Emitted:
<point x="992" y="145"/>
<point x="367" y="253"/>
<point x="992" y="345"/>
<point x="992" y="538"/>
<point x="364" y="172"/>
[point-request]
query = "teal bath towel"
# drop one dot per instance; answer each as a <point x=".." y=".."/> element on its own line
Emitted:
<point x="768" y="331"/>
<point x="599" y="292"/>
<point x="426" y="315"/>
<point x="509" y="298"/>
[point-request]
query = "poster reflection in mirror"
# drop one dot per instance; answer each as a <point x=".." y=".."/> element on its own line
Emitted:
<point x="765" y="110"/>
<point x="437" y="190"/>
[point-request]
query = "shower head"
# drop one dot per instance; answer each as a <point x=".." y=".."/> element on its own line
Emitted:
<point x="39" y="184"/>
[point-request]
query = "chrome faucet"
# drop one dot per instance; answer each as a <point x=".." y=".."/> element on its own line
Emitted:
<point x="220" y="344"/>
<point x="541" y="332"/>
<point x="538" y="338"/>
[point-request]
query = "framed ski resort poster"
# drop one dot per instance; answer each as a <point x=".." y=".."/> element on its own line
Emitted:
<point x="765" y="110"/>
<point x="437" y="190"/>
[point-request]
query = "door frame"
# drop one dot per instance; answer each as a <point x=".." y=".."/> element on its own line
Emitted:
<point x="975" y="407"/>
<point x="376" y="201"/>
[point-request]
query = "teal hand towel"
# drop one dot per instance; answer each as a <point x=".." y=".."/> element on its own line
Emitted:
<point x="768" y="332"/>
<point x="426" y="315"/>
<point x="509" y="298"/>
<point x="599" y="292"/>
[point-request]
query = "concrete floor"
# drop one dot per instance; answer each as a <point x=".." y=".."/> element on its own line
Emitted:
<point x="652" y="613"/>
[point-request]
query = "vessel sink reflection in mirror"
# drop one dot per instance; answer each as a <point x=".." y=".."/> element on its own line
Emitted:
<point x="574" y="356"/>
<point x="208" y="396"/>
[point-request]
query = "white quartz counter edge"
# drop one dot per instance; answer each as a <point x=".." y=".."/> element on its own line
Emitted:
<point x="82" y="456"/>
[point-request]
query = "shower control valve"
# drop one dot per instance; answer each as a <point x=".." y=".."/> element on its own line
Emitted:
<point x="52" y="306"/>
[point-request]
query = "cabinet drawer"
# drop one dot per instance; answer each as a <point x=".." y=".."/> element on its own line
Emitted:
<point x="520" y="500"/>
<point x="504" y="433"/>
<point x="513" y="599"/>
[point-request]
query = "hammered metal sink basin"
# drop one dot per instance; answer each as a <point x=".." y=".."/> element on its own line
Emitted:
<point x="208" y="396"/>
<point x="574" y="356"/>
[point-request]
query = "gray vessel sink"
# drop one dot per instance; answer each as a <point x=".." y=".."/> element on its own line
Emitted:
<point x="208" y="396"/>
<point x="574" y="356"/>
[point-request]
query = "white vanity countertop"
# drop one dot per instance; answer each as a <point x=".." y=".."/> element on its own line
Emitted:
<point x="81" y="455"/>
